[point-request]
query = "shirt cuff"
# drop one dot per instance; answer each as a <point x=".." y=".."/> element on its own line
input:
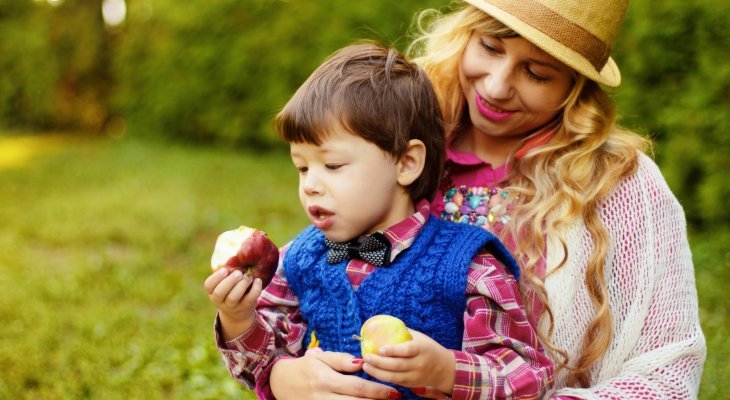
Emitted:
<point x="263" y="388"/>
<point x="256" y="336"/>
<point x="465" y="376"/>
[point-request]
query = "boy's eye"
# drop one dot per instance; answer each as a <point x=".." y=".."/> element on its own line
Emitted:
<point x="333" y="166"/>
<point x="302" y="170"/>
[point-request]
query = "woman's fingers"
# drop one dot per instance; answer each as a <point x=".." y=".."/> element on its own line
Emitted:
<point x="319" y="375"/>
<point x="354" y="387"/>
<point x="350" y="386"/>
<point x="341" y="362"/>
<point x="313" y="350"/>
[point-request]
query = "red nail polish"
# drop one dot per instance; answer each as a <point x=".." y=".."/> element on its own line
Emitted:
<point x="419" y="390"/>
<point x="394" y="395"/>
<point x="358" y="361"/>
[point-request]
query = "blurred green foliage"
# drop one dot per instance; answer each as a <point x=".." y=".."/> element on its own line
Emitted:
<point x="222" y="71"/>
<point x="675" y="60"/>
<point x="218" y="71"/>
<point x="55" y="63"/>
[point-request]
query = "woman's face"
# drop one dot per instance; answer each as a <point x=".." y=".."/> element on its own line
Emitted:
<point x="511" y="86"/>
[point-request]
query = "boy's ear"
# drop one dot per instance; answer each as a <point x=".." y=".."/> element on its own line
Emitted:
<point x="411" y="163"/>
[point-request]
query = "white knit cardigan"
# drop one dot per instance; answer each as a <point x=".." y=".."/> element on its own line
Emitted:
<point x="658" y="349"/>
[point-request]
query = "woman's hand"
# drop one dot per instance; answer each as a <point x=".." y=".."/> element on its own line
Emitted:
<point x="322" y="375"/>
<point x="421" y="363"/>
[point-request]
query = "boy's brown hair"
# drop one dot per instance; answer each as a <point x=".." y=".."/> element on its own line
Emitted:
<point x="377" y="94"/>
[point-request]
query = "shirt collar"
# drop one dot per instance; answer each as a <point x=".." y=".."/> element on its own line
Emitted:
<point x="402" y="234"/>
<point x="537" y="139"/>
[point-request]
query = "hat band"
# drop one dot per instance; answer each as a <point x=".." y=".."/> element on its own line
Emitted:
<point x="561" y="29"/>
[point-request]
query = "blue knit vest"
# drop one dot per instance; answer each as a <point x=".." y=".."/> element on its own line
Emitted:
<point x="424" y="286"/>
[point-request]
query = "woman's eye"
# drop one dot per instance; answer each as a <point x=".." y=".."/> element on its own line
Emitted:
<point x="535" y="76"/>
<point x="489" y="48"/>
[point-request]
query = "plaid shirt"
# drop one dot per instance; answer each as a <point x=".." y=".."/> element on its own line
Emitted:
<point x="500" y="356"/>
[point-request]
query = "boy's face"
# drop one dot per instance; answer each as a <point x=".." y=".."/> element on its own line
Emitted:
<point x="348" y="186"/>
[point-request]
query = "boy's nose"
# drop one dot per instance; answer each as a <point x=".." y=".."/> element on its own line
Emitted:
<point x="310" y="184"/>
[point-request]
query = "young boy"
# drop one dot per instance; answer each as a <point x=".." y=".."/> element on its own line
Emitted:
<point x="365" y="134"/>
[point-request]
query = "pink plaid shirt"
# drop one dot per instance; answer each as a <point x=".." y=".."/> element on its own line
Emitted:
<point x="500" y="356"/>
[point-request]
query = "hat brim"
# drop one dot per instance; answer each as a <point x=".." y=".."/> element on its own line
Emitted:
<point x="609" y="76"/>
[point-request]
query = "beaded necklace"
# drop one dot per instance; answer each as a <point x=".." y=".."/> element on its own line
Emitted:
<point x="475" y="205"/>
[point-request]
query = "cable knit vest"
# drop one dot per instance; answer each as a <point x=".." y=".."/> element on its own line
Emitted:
<point x="424" y="286"/>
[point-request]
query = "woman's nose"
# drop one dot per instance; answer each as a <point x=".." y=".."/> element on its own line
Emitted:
<point x="498" y="83"/>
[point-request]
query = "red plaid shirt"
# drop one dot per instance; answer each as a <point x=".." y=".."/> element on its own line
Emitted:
<point x="500" y="355"/>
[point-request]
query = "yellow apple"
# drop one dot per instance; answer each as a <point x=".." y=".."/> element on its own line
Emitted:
<point x="380" y="330"/>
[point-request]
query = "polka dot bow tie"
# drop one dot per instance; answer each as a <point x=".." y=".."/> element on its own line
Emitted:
<point x="375" y="249"/>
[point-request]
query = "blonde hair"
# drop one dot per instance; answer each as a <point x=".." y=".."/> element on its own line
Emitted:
<point x="551" y="186"/>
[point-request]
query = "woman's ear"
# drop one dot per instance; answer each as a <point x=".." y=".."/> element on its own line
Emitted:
<point x="410" y="165"/>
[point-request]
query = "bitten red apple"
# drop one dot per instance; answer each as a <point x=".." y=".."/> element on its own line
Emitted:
<point x="248" y="250"/>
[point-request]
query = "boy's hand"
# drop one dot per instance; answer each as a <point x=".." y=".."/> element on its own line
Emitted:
<point x="420" y="362"/>
<point x="236" y="307"/>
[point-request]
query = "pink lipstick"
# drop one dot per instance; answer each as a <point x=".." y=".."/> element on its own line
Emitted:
<point x="491" y="112"/>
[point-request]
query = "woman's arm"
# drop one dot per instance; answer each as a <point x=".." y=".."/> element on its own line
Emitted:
<point x="658" y="350"/>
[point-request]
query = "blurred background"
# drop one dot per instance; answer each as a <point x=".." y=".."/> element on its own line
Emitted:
<point x="132" y="132"/>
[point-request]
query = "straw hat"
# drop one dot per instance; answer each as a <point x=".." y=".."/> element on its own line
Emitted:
<point x="579" y="33"/>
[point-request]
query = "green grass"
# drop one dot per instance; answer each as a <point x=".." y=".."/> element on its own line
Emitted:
<point x="105" y="245"/>
<point x="104" y="248"/>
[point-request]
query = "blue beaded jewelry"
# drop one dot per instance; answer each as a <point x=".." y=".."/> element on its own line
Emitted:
<point x="476" y="205"/>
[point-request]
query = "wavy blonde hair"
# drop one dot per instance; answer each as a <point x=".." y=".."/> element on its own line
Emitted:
<point x="551" y="186"/>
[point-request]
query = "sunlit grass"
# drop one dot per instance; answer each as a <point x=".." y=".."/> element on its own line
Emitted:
<point x="17" y="151"/>
<point x="104" y="248"/>
<point x="103" y="252"/>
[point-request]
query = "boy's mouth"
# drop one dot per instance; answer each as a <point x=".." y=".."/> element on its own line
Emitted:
<point x="320" y="217"/>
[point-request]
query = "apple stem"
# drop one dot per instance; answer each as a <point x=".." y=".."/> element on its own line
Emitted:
<point x="358" y="338"/>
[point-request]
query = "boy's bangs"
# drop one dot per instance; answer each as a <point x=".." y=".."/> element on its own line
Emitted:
<point x="304" y="123"/>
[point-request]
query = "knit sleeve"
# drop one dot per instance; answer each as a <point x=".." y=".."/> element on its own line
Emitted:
<point x="658" y="349"/>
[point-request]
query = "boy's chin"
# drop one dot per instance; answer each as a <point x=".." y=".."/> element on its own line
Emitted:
<point x="339" y="237"/>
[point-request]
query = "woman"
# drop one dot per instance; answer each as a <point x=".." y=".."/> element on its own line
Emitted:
<point x="608" y="276"/>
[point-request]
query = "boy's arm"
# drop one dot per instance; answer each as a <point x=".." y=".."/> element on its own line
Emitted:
<point x="501" y="356"/>
<point x="277" y="331"/>
<point x="500" y="353"/>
